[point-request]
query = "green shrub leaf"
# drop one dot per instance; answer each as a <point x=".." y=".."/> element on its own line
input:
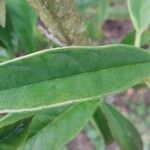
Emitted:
<point x="63" y="128"/>
<point x="140" y="14"/>
<point x="2" y="13"/>
<point x="40" y="118"/>
<point x="13" y="117"/>
<point x="122" y="129"/>
<point x="130" y="38"/>
<point x="23" y="21"/>
<point x="102" y="127"/>
<point x="43" y="118"/>
<point x="66" y="75"/>
<point x="13" y="135"/>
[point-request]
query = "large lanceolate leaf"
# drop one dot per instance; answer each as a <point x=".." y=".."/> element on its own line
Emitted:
<point x="13" y="135"/>
<point x="22" y="21"/>
<point x="66" y="75"/>
<point x="122" y="129"/>
<point x="140" y="13"/>
<point x="62" y="129"/>
<point x="2" y="13"/>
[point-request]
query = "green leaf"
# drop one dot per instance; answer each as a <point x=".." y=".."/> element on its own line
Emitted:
<point x="12" y="136"/>
<point x="96" y="11"/>
<point x="23" y="20"/>
<point x="63" y="128"/>
<point x="148" y="82"/>
<point x="101" y="124"/>
<point x="140" y="14"/>
<point x="122" y="129"/>
<point x="13" y="117"/>
<point x="66" y="75"/>
<point x="2" y="13"/>
<point x="130" y="38"/>
<point x="43" y="118"/>
<point x="85" y="3"/>
<point x="6" y="36"/>
<point x="40" y="118"/>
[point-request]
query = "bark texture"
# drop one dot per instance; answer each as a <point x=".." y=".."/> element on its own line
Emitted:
<point x="62" y="19"/>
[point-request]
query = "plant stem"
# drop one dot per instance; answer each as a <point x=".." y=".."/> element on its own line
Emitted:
<point x="138" y="39"/>
<point x="67" y="26"/>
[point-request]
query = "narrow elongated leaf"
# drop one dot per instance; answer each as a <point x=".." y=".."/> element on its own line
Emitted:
<point x="139" y="13"/>
<point x="12" y="136"/>
<point x="102" y="126"/>
<point x="122" y="129"/>
<point x="14" y="117"/>
<point x="66" y="75"/>
<point x="62" y="129"/>
<point x="23" y="21"/>
<point x="40" y="118"/>
<point x="43" y="118"/>
<point x="2" y="13"/>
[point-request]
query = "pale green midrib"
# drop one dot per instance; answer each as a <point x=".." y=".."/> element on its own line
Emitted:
<point x="75" y="75"/>
<point x="63" y="103"/>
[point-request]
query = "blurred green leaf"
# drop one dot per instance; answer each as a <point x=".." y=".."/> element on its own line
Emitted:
<point x="63" y="128"/>
<point x="94" y="13"/>
<point x="12" y="136"/>
<point x="2" y="13"/>
<point x="6" y="38"/>
<point x="85" y="3"/>
<point x="129" y="39"/>
<point x="14" y="117"/>
<point x="118" y="12"/>
<point x="42" y="118"/>
<point x="140" y="14"/>
<point x="122" y="129"/>
<point x="101" y="124"/>
<point x="23" y="20"/>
